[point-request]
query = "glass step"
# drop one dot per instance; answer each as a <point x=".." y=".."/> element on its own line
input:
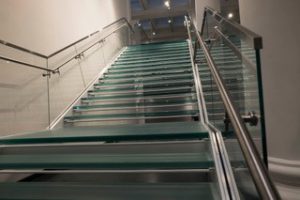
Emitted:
<point x="145" y="91"/>
<point x="144" y="86"/>
<point x="236" y="95"/>
<point x="147" y="75"/>
<point x="186" y="64"/>
<point x="171" y="130"/>
<point x="132" y="116"/>
<point x="143" y="61"/>
<point x="156" y="46"/>
<point x="142" y="80"/>
<point x="137" y="105"/>
<point x="153" y="53"/>
<point x="107" y="161"/>
<point x="124" y="58"/>
<point x="155" y="49"/>
<point x="230" y="78"/>
<point x="94" y="191"/>
<point x="153" y="69"/>
<point x="139" y="97"/>
<point x="151" y="46"/>
<point x="158" y="63"/>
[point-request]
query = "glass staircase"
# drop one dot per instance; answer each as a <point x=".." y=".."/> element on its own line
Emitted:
<point x="154" y="125"/>
<point x="138" y="89"/>
<point x="136" y="134"/>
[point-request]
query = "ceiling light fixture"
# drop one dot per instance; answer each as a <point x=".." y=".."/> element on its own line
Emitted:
<point x="153" y="33"/>
<point x="167" y="4"/>
<point x="169" y="21"/>
<point x="230" y="15"/>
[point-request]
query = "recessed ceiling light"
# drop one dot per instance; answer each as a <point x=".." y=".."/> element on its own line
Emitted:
<point x="230" y="15"/>
<point x="167" y="4"/>
<point x="169" y="21"/>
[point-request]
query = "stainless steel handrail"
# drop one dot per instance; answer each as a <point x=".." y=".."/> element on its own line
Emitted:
<point x="253" y="39"/>
<point x="14" y="46"/>
<point x="27" y="64"/>
<point x="90" y="35"/>
<point x="121" y="19"/>
<point x="83" y="51"/>
<point x="72" y="44"/>
<point x="257" y="169"/>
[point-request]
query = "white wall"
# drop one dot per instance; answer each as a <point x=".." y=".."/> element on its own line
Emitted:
<point x="48" y="25"/>
<point x="278" y="23"/>
<point x="200" y="5"/>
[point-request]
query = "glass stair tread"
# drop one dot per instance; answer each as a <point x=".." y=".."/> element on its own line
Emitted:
<point x="136" y="105"/>
<point x="175" y="42"/>
<point x="165" y="58"/>
<point x="144" y="86"/>
<point x="132" y="116"/>
<point x="153" y="53"/>
<point x="102" y="161"/>
<point x="161" y="64"/>
<point x="94" y="191"/>
<point x="155" y="50"/>
<point x="124" y="58"/>
<point x="151" y="66"/>
<point x="156" y="46"/>
<point x="151" y="46"/>
<point x="148" y="70"/>
<point x="167" y="130"/>
<point x="137" y="97"/>
<point x="145" y="91"/>
<point x="150" y="73"/>
<point x="110" y="77"/>
<point x="143" y="80"/>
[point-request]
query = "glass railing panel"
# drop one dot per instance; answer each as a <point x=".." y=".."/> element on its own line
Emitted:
<point x="24" y="99"/>
<point x="65" y="87"/>
<point x="23" y="90"/>
<point x="115" y="42"/>
<point x="235" y="59"/>
<point x="8" y="51"/>
<point x="25" y="105"/>
<point x="92" y="55"/>
<point x="216" y="115"/>
<point x="241" y="81"/>
<point x="244" y="181"/>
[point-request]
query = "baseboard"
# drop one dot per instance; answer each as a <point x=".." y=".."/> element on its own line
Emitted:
<point x="288" y="192"/>
<point x="285" y="171"/>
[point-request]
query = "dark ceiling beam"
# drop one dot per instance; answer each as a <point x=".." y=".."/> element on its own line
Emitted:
<point x="168" y="36"/>
<point x="165" y="33"/>
<point x="171" y="25"/>
<point x="172" y="20"/>
<point x="160" y="13"/>
<point x="144" y="4"/>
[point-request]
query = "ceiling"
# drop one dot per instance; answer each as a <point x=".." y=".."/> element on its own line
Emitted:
<point x="159" y="20"/>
